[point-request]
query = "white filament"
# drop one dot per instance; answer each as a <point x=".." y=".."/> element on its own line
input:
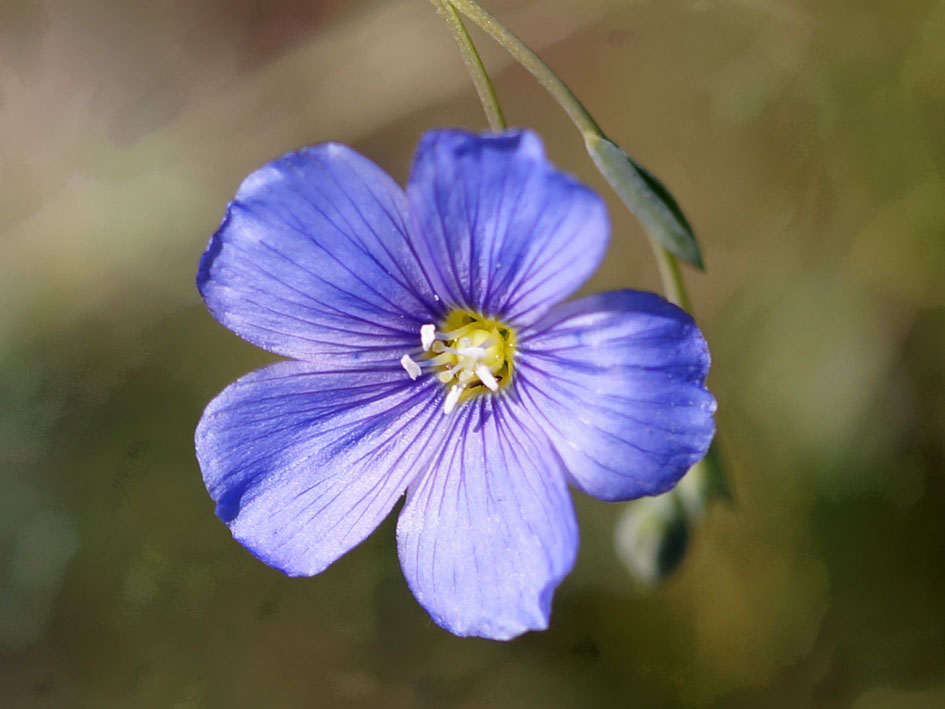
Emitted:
<point x="475" y="353"/>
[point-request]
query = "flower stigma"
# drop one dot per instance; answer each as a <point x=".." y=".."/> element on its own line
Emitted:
<point x="470" y="354"/>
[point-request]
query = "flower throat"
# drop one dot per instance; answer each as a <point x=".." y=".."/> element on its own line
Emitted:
<point x="471" y="355"/>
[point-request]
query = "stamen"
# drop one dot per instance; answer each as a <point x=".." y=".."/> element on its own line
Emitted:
<point x="444" y="358"/>
<point x="427" y="336"/>
<point x="482" y="371"/>
<point x="457" y="333"/>
<point x="452" y="398"/>
<point x="471" y="355"/>
<point x="413" y="369"/>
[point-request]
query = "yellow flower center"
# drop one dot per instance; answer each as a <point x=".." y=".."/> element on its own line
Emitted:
<point x="471" y="354"/>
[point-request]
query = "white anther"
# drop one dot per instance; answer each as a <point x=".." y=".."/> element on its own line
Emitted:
<point x="452" y="398"/>
<point x="427" y="336"/>
<point x="485" y="376"/>
<point x="413" y="369"/>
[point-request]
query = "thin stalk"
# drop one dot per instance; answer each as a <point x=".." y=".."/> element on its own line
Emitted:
<point x="531" y="61"/>
<point x="477" y="71"/>
<point x="667" y="263"/>
<point x="671" y="277"/>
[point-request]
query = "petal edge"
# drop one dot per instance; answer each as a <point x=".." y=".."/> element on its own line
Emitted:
<point x="501" y="231"/>
<point x="304" y="463"/>
<point x="617" y="380"/>
<point x="487" y="535"/>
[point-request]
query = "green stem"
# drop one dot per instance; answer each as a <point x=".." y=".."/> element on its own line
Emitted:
<point x="667" y="263"/>
<point x="532" y="62"/>
<point x="671" y="277"/>
<point x="477" y="71"/>
<point x="707" y="472"/>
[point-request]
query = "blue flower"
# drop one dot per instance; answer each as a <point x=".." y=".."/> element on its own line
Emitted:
<point x="431" y="356"/>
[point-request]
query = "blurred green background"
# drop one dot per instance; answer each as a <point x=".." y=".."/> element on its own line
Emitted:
<point x="804" y="138"/>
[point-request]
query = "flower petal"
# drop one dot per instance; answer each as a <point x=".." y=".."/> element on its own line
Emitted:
<point x="489" y="531"/>
<point x="501" y="230"/>
<point x="304" y="463"/>
<point x="617" y="381"/>
<point x="313" y="259"/>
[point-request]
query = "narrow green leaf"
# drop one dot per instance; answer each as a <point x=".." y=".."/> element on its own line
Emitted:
<point x="647" y="198"/>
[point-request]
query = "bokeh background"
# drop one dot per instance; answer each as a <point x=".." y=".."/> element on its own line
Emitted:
<point x="804" y="138"/>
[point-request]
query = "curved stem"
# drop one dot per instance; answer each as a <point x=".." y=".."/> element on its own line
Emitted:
<point x="667" y="263"/>
<point x="709" y="471"/>
<point x="671" y="277"/>
<point x="477" y="71"/>
<point x="531" y="61"/>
